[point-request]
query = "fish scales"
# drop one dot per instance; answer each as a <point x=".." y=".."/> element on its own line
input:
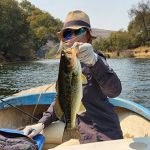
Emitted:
<point x="69" y="86"/>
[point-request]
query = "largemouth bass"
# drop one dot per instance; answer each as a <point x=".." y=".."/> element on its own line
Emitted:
<point x="69" y="89"/>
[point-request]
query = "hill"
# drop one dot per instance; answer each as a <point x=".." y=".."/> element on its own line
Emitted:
<point x="48" y="50"/>
<point x="101" y="32"/>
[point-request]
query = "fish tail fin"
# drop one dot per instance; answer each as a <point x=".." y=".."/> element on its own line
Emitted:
<point x="70" y="133"/>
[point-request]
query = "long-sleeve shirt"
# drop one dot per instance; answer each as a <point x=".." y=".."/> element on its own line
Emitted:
<point x="99" y="122"/>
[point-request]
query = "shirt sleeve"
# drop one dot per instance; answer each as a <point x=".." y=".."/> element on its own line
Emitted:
<point x="106" y="77"/>
<point x="49" y="116"/>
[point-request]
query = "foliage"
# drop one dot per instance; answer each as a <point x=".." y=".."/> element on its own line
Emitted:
<point x="101" y="44"/>
<point x="13" y="26"/>
<point x="24" y="28"/>
<point x="138" y="33"/>
<point x="43" y="26"/>
<point x="117" y="41"/>
<point x="139" y="27"/>
<point x="120" y="40"/>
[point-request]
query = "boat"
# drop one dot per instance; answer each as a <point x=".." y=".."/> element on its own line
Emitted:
<point x="134" y="120"/>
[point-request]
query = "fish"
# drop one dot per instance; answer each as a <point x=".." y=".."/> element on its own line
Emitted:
<point x="69" y="91"/>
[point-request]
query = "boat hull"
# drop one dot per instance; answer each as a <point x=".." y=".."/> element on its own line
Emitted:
<point x="134" y="119"/>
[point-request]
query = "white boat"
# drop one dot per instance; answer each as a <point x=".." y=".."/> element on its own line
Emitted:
<point x="134" y="120"/>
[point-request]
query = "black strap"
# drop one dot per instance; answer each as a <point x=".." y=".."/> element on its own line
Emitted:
<point x="76" y="23"/>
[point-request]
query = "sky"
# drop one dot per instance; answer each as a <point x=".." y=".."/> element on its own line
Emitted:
<point x="104" y="14"/>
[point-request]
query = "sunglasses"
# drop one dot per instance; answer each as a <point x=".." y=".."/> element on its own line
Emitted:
<point x="67" y="34"/>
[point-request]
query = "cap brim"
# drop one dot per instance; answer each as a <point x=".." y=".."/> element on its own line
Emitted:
<point x="92" y="35"/>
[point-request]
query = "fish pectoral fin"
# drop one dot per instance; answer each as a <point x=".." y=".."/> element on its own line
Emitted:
<point x="58" y="109"/>
<point x="84" y="80"/>
<point x="82" y="109"/>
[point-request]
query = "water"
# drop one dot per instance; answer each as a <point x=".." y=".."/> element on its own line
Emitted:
<point x="133" y="73"/>
<point x="135" y="78"/>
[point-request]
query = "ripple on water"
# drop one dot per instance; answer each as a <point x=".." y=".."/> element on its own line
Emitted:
<point x="133" y="73"/>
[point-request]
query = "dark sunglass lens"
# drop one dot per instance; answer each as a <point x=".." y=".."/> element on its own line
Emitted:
<point x="67" y="34"/>
<point x="79" y="31"/>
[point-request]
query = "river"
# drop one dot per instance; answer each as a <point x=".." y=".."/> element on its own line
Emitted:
<point x="133" y="73"/>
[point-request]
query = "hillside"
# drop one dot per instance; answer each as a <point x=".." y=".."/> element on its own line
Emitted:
<point x="48" y="50"/>
<point x="101" y="32"/>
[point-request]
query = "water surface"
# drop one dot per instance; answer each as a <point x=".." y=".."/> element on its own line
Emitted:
<point x="133" y="73"/>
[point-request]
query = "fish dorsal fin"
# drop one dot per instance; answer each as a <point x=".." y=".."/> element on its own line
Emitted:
<point x="84" y="80"/>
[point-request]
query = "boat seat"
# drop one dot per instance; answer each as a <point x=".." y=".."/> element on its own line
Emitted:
<point x="132" y="124"/>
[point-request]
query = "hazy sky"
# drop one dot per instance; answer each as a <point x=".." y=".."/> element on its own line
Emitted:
<point x="104" y="14"/>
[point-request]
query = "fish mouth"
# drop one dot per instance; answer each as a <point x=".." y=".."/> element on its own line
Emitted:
<point x="69" y="57"/>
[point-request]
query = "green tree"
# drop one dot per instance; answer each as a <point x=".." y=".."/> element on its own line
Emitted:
<point x="43" y="26"/>
<point x="120" y="40"/>
<point x="139" y="27"/>
<point x="96" y="45"/>
<point x="13" y="26"/>
<point x="24" y="29"/>
<point x="104" y="44"/>
<point x="101" y="44"/>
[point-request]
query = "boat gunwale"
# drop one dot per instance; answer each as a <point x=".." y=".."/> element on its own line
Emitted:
<point x="46" y="98"/>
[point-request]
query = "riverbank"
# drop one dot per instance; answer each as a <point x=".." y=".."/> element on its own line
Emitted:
<point x="17" y="56"/>
<point x="140" y="52"/>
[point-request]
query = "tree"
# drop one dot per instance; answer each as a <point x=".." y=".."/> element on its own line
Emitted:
<point x="43" y="26"/>
<point x="140" y="22"/>
<point x="13" y="26"/>
<point x="24" y="29"/>
<point x="120" y="40"/>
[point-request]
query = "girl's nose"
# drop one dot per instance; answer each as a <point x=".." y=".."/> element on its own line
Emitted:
<point x="73" y="35"/>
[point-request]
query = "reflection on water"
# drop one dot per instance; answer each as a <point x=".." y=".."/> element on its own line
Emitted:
<point x="133" y="73"/>
<point x="16" y="77"/>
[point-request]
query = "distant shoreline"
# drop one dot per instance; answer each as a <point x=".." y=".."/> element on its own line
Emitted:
<point x="140" y="52"/>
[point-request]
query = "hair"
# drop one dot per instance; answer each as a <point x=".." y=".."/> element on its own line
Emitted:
<point x="89" y="36"/>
